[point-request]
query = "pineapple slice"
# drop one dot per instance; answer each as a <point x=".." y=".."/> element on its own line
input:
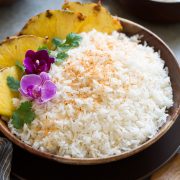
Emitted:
<point x="97" y="17"/>
<point x="13" y="49"/>
<point x="78" y="18"/>
<point x="6" y="95"/>
<point x="53" y="23"/>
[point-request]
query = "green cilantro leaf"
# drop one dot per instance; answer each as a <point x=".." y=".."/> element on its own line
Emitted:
<point x="13" y="83"/>
<point x="23" y="115"/>
<point x="63" y="48"/>
<point x="73" y="40"/>
<point x="57" y="42"/>
<point x="44" y="47"/>
<point x="61" y="56"/>
<point x="20" y="66"/>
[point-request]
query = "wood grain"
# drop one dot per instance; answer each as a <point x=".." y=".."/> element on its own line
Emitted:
<point x="171" y="171"/>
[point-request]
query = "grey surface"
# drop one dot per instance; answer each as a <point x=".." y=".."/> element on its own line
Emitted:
<point x="13" y="17"/>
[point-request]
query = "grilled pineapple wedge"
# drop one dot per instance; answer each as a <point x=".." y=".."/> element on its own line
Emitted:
<point x="97" y="17"/>
<point x="75" y="18"/>
<point x="54" y="23"/>
<point x="6" y="95"/>
<point x="13" y="49"/>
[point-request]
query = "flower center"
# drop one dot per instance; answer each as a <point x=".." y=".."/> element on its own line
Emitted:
<point x="37" y="61"/>
<point x="34" y="91"/>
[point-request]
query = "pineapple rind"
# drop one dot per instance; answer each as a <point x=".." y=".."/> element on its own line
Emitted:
<point x="97" y="17"/>
<point x="54" y="23"/>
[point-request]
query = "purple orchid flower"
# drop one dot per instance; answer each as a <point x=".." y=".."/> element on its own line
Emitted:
<point x="37" y="62"/>
<point x="37" y="87"/>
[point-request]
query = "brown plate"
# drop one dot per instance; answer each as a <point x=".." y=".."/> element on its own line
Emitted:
<point x="130" y="28"/>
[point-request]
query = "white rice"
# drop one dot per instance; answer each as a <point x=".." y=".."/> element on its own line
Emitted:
<point x="112" y="96"/>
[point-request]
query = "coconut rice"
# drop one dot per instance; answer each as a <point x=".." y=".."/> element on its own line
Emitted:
<point x="112" y="96"/>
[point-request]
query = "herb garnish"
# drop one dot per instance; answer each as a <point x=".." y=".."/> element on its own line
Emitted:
<point x="20" y="66"/>
<point x="44" y="47"/>
<point x="13" y="84"/>
<point x="61" y="56"/>
<point x="23" y="115"/>
<point x="57" y="42"/>
<point x="72" y="41"/>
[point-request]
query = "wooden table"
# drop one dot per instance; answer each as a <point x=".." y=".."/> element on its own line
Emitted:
<point x="170" y="171"/>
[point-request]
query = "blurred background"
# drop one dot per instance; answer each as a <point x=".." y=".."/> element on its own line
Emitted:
<point x="14" y="16"/>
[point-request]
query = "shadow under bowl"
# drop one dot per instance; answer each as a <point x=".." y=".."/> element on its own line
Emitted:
<point x="130" y="28"/>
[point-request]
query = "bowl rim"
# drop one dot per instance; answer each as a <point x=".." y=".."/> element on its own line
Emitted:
<point x="102" y="160"/>
<point x="165" y="2"/>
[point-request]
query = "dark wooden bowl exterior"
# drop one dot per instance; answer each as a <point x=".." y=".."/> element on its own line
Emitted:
<point x="153" y="11"/>
<point x="130" y="28"/>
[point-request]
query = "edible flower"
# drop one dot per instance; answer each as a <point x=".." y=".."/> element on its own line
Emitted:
<point x="37" y="87"/>
<point x="37" y="62"/>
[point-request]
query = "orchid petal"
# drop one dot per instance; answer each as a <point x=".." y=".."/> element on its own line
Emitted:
<point x="29" y="66"/>
<point x="30" y="54"/>
<point x="44" y="76"/>
<point x="37" y="87"/>
<point x="43" y="68"/>
<point x="29" y="80"/>
<point x="24" y="94"/>
<point x="51" y="60"/>
<point x="42" y="55"/>
<point x="37" y="62"/>
<point x="48" y="91"/>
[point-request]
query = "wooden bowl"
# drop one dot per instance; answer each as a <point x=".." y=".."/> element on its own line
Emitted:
<point x="153" y="10"/>
<point x="130" y="28"/>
